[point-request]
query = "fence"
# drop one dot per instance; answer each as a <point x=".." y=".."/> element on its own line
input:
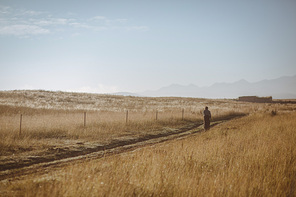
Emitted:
<point x="91" y="118"/>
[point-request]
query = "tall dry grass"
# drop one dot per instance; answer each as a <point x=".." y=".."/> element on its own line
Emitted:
<point x="52" y="128"/>
<point x="251" y="156"/>
<point x="57" y="118"/>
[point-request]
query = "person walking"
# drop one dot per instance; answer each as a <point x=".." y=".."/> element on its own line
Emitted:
<point x="207" y="117"/>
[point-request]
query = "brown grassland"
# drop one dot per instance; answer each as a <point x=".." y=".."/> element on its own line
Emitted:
<point x="52" y="119"/>
<point x="251" y="156"/>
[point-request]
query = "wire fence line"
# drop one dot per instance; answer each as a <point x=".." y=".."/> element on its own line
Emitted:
<point x="87" y="118"/>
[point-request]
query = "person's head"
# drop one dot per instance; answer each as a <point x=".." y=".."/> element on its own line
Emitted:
<point x="207" y="108"/>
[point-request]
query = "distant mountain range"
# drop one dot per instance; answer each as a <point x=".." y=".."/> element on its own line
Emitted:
<point x="280" y="88"/>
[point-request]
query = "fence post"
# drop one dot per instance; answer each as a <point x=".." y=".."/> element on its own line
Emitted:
<point x="126" y="116"/>
<point x="183" y="114"/>
<point x="21" y="119"/>
<point x="84" y="119"/>
<point x="156" y="116"/>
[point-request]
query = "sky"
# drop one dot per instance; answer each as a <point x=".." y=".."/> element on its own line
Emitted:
<point x="106" y="46"/>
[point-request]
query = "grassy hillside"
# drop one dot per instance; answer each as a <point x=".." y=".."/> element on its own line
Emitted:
<point x="251" y="156"/>
<point x="51" y="119"/>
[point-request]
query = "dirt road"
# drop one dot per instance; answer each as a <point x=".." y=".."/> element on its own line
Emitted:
<point x="55" y="158"/>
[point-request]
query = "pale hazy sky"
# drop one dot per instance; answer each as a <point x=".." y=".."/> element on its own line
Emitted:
<point x="136" y="45"/>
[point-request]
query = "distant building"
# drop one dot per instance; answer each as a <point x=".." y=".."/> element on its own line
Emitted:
<point x="255" y="99"/>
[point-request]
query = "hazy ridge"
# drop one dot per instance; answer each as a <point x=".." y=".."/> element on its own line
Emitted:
<point x="280" y="88"/>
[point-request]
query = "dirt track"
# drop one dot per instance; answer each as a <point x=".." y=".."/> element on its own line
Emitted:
<point x="12" y="169"/>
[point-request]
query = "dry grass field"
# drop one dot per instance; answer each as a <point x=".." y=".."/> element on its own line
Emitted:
<point x="250" y="156"/>
<point x="50" y="119"/>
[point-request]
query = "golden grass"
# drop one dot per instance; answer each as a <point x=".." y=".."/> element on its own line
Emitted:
<point x="251" y="156"/>
<point x="51" y="128"/>
<point x="53" y="118"/>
